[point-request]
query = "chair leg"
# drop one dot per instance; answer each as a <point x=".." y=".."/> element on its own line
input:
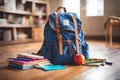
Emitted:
<point x="107" y="35"/>
<point x="110" y="36"/>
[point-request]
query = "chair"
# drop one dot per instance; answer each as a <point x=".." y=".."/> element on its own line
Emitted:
<point x="112" y="21"/>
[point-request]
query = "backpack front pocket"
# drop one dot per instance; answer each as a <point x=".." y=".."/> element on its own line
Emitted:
<point x="69" y="51"/>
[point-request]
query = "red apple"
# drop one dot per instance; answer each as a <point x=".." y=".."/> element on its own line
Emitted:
<point x="79" y="59"/>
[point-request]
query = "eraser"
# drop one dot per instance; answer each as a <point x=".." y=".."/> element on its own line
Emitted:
<point x="108" y="63"/>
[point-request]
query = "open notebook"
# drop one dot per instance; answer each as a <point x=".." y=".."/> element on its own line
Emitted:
<point x="50" y="67"/>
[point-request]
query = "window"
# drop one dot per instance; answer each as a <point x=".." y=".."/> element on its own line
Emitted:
<point x="72" y="6"/>
<point x="94" y="7"/>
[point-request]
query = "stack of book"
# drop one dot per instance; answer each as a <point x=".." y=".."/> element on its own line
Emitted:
<point x="26" y="61"/>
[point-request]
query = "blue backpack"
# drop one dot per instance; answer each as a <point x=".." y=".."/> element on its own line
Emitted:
<point x="63" y="38"/>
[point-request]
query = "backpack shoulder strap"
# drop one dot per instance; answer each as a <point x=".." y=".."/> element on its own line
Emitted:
<point x="59" y="36"/>
<point x="76" y="34"/>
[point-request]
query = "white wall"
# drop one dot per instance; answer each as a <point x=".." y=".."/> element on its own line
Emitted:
<point x="94" y="26"/>
<point x="112" y="7"/>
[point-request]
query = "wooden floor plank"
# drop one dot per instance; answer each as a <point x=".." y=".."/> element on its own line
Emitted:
<point x="96" y="49"/>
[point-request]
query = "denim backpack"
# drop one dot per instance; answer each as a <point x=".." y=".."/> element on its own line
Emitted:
<point x="63" y="38"/>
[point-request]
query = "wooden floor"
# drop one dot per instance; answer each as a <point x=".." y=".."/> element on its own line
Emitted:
<point x="97" y="49"/>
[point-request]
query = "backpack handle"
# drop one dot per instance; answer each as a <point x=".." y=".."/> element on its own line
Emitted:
<point x="61" y="8"/>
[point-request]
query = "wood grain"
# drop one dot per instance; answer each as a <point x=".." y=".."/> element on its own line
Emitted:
<point x="13" y="50"/>
<point x="73" y="72"/>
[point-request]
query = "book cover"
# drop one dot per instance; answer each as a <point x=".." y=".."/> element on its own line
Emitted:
<point x="20" y="67"/>
<point x="26" y="62"/>
<point x="25" y="66"/>
<point x="52" y="67"/>
<point x="31" y="56"/>
<point x="29" y="64"/>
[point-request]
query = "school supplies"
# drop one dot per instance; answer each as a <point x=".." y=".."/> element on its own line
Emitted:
<point x="30" y="56"/>
<point x="26" y="61"/>
<point x="51" y="67"/>
<point x="63" y="38"/>
<point x="94" y="62"/>
<point x="108" y="63"/>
